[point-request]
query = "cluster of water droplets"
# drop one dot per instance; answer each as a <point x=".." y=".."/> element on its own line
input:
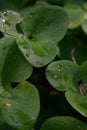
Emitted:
<point x="3" y="19"/>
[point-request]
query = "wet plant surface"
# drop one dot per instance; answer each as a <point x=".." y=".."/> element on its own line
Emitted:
<point x="43" y="65"/>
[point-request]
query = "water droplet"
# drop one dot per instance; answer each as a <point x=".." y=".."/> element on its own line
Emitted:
<point x="3" y="20"/>
<point x="8" y="104"/>
<point x="55" y="76"/>
<point x="58" y="69"/>
<point x="5" y="13"/>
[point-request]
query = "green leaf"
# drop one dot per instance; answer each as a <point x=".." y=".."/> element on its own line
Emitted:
<point x="5" y="44"/>
<point x="15" y="67"/>
<point x="37" y="52"/>
<point x="63" y="123"/>
<point x="21" y="110"/>
<point x="76" y="15"/>
<point x="8" y="21"/>
<point x="48" y="23"/>
<point x="60" y="75"/>
<point x="77" y="101"/>
<point x="69" y="77"/>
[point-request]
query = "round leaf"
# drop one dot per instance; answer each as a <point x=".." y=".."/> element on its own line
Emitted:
<point x="60" y="74"/>
<point x="21" y="110"/>
<point x="38" y="53"/>
<point x="46" y="23"/>
<point x="63" y="123"/>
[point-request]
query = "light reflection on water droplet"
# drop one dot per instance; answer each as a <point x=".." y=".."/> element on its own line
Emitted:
<point x="55" y="76"/>
<point x="3" y="20"/>
<point x="58" y="69"/>
<point x="5" y="13"/>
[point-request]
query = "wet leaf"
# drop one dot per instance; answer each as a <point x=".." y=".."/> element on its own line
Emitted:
<point x="8" y="21"/>
<point x="60" y="74"/>
<point x="21" y="110"/>
<point x="37" y="52"/>
<point x="69" y="77"/>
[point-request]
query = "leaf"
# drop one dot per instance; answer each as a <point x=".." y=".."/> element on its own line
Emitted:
<point x="16" y="68"/>
<point x="5" y="44"/>
<point x="8" y="21"/>
<point x="76" y="15"/>
<point x="77" y="101"/>
<point x="37" y="52"/>
<point x="60" y="75"/>
<point x="69" y="77"/>
<point x="63" y="123"/>
<point x="21" y="110"/>
<point x="49" y="27"/>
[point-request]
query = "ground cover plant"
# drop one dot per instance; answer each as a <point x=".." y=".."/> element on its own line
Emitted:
<point x="43" y="65"/>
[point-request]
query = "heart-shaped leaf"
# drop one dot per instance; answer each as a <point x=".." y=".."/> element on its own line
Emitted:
<point x="65" y="75"/>
<point x="15" y="67"/>
<point x="38" y="53"/>
<point x="47" y="23"/>
<point x="76" y="15"/>
<point x="22" y="108"/>
<point x="63" y="123"/>
<point x="8" y="21"/>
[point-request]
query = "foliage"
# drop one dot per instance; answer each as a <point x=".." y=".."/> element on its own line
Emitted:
<point x="43" y="65"/>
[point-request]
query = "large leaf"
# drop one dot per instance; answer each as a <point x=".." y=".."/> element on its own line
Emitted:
<point x="76" y="15"/>
<point x="22" y="108"/>
<point x="37" y="52"/>
<point x="8" y="22"/>
<point x="46" y="23"/>
<point x="63" y="123"/>
<point x="16" y="68"/>
<point x="5" y="44"/>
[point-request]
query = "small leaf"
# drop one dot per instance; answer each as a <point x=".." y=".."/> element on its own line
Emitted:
<point x="48" y="23"/>
<point x="76" y="15"/>
<point x="16" y="68"/>
<point x="60" y="74"/>
<point x="63" y="123"/>
<point x="21" y="110"/>
<point x="38" y="53"/>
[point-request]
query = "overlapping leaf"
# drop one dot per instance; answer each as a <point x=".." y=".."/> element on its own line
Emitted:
<point x="65" y="75"/>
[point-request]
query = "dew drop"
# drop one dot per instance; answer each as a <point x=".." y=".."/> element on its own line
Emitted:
<point x="55" y="76"/>
<point x="3" y="20"/>
<point x="58" y="69"/>
<point x="5" y="13"/>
